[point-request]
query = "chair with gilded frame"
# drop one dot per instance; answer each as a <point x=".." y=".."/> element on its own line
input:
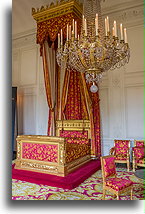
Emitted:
<point x="110" y="180"/>
<point x="121" y="152"/>
<point x="138" y="154"/>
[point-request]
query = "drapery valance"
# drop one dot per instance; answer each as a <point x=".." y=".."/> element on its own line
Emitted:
<point x="51" y="19"/>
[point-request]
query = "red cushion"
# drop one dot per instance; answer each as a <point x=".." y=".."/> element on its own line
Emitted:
<point x="120" y="158"/>
<point x="141" y="161"/>
<point x="118" y="183"/>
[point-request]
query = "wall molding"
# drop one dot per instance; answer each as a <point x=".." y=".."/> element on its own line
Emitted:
<point x="127" y="110"/>
<point x="29" y="90"/>
<point x="130" y="14"/>
<point x="23" y="40"/>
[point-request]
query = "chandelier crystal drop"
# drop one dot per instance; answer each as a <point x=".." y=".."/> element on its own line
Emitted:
<point x="95" y="50"/>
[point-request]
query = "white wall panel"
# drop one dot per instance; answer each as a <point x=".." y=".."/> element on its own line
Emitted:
<point x="42" y="112"/>
<point x="135" y="40"/>
<point x="28" y="74"/>
<point x="134" y="112"/>
<point x="104" y="111"/>
<point x="29" y="115"/>
<point x="41" y="74"/>
<point x="15" y="68"/>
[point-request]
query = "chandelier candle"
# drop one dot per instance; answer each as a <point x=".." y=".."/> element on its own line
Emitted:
<point x="75" y="29"/>
<point x="67" y="33"/>
<point x="113" y="33"/>
<point x="107" y="24"/>
<point x="93" y="52"/>
<point x="85" y="27"/>
<point x="125" y="35"/>
<point x="58" y="40"/>
<point x="61" y="37"/>
<point x="96" y="24"/>
<point x="121" y="32"/>
<point x="115" y="29"/>
<point x="73" y="26"/>
<point x="83" y="22"/>
<point x="78" y="37"/>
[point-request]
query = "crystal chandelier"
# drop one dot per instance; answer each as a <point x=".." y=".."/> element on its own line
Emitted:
<point x="95" y="50"/>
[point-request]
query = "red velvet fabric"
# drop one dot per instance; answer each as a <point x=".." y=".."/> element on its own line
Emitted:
<point x="96" y="121"/>
<point x="118" y="183"/>
<point x="121" y="149"/>
<point x="140" y="143"/>
<point x="74" y="134"/>
<point x="78" y="140"/>
<point x="74" y="109"/>
<point x="139" y="152"/>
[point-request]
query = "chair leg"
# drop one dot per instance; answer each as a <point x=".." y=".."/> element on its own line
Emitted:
<point x="128" y="166"/>
<point x="131" y="194"/>
<point x="117" y="196"/>
<point x="104" y="193"/>
<point x="134" y="166"/>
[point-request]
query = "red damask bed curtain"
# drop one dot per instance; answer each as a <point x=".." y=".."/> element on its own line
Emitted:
<point x="49" y="68"/>
<point x="67" y="92"/>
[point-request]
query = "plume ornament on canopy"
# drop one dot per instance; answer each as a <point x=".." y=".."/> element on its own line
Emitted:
<point x="97" y="49"/>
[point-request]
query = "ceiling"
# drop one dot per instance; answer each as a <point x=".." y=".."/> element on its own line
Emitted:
<point x="22" y="20"/>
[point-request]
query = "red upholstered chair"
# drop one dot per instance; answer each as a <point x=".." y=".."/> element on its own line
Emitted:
<point x="138" y="153"/>
<point x="121" y="152"/>
<point x="110" y="181"/>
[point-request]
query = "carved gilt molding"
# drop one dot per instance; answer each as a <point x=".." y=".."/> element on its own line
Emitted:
<point x="41" y="167"/>
<point x="55" y="10"/>
<point x="73" y="123"/>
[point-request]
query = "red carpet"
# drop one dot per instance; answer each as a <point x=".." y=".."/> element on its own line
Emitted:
<point x="68" y="182"/>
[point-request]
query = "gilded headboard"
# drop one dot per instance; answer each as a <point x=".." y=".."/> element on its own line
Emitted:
<point x="73" y="125"/>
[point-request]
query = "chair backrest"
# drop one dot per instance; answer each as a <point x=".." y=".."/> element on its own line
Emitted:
<point x="108" y="166"/>
<point x="139" y="143"/>
<point x="121" y="147"/>
<point x="139" y="152"/>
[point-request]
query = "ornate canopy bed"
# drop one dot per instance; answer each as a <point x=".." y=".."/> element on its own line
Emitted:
<point x="73" y="136"/>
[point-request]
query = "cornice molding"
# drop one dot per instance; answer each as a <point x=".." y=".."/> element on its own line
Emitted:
<point x="24" y="39"/>
<point x="24" y="34"/>
<point x="129" y="13"/>
<point x="109" y="9"/>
